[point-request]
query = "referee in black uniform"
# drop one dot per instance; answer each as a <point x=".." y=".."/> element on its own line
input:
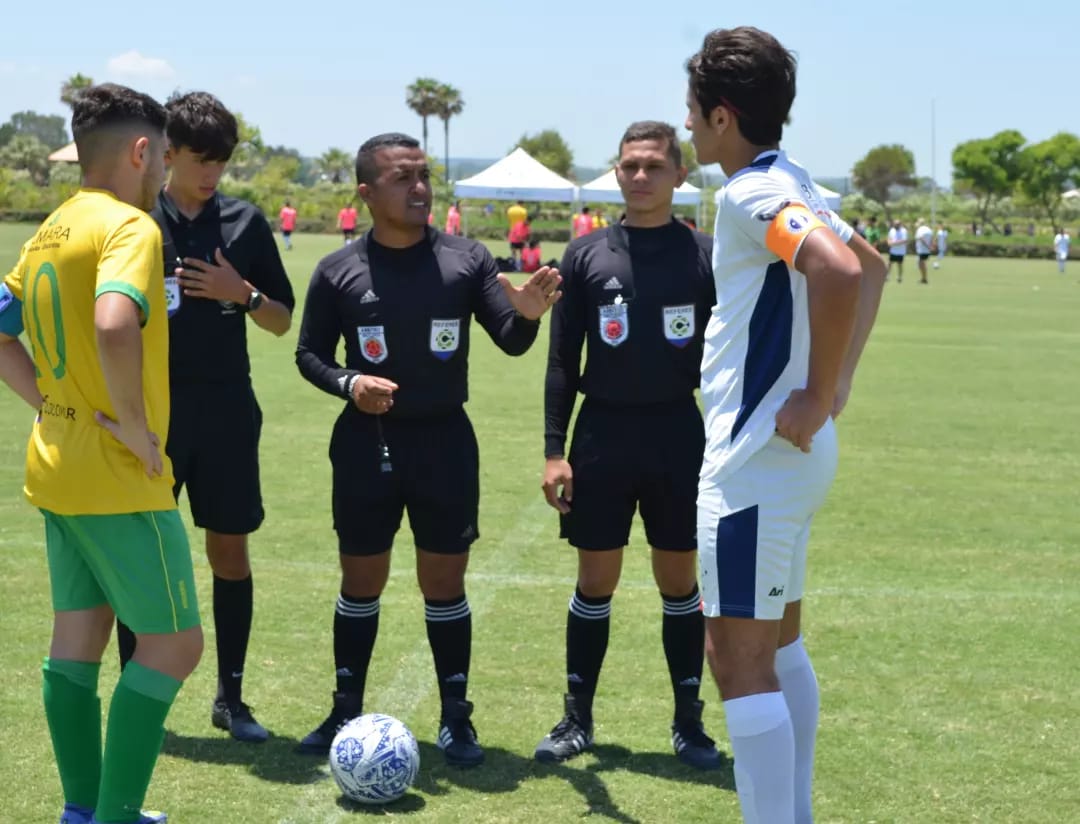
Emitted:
<point x="222" y="266"/>
<point x="640" y="292"/>
<point x="402" y="296"/>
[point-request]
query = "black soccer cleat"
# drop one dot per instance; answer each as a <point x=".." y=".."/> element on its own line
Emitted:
<point x="237" y="720"/>
<point x="692" y="745"/>
<point x="571" y="736"/>
<point x="347" y="706"/>
<point x="457" y="735"/>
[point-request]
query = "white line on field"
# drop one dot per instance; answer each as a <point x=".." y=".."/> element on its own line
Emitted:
<point x="500" y="579"/>
<point x="415" y="674"/>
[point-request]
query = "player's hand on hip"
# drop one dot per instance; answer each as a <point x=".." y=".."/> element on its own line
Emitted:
<point x="140" y="441"/>
<point x="558" y="484"/>
<point x="373" y="394"/>
<point x="536" y="295"/>
<point x="215" y="281"/>
<point x="800" y="418"/>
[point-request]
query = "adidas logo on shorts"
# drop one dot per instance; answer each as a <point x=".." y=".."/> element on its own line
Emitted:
<point x="369" y="297"/>
<point x="613" y="283"/>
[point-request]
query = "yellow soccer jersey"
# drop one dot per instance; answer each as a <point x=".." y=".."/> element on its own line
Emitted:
<point x="91" y="245"/>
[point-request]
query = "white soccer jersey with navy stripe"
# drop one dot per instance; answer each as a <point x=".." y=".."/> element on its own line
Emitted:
<point x="757" y="343"/>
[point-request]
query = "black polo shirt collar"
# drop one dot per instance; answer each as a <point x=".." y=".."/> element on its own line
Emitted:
<point x="211" y="210"/>
<point x="619" y="237"/>
<point x="432" y="236"/>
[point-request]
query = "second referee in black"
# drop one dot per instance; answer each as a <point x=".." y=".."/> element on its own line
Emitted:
<point x="640" y="292"/>
<point x="402" y="296"/>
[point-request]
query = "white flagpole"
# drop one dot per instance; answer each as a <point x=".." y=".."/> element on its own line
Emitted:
<point x="933" y="166"/>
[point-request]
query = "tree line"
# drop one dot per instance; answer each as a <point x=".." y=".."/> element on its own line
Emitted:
<point x="993" y="170"/>
<point x="999" y="172"/>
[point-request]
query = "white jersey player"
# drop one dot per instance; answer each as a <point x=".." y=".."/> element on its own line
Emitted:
<point x="942" y="240"/>
<point x="924" y="242"/>
<point x="797" y="292"/>
<point x="1061" y="248"/>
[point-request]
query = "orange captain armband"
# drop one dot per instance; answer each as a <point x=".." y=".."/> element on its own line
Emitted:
<point x="791" y="226"/>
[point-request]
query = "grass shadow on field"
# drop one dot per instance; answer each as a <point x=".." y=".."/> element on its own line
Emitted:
<point x="504" y="771"/>
<point x="408" y="803"/>
<point x="275" y="760"/>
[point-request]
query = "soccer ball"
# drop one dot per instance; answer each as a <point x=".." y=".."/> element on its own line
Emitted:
<point x="374" y="759"/>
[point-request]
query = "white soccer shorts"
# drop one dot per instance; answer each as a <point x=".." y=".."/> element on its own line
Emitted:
<point x="753" y="527"/>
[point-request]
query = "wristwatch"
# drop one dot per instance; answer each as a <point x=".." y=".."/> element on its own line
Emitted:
<point x="255" y="300"/>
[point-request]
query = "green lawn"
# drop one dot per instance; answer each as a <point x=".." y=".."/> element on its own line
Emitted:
<point x="942" y="609"/>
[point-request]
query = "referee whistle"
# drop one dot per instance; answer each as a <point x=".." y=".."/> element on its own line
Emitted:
<point x="384" y="458"/>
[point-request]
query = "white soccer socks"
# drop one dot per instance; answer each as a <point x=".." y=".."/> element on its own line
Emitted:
<point x="800" y="687"/>
<point x="763" y="744"/>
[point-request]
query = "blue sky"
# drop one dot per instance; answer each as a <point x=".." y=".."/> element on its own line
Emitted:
<point x="315" y="74"/>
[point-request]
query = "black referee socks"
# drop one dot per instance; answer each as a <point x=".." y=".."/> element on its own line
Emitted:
<point x="449" y="631"/>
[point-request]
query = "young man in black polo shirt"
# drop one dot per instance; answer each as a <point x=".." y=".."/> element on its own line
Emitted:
<point x="640" y="292"/>
<point x="403" y="296"/>
<point x="222" y="266"/>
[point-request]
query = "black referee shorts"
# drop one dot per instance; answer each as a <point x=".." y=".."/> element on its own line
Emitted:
<point x="434" y="476"/>
<point x="213" y="444"/>
<point x="628" y="457"/>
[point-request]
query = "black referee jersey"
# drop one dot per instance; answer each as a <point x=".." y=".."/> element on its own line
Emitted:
<point x="641" y="298"/>
<point x="208" y="338"/>
<point x="405" y="315"/>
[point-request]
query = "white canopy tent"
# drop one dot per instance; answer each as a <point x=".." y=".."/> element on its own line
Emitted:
<point x="605" y="189"/>
<point x="66" y="154"/>
<point x="518" y="176"/>
<point x="832" y="199"/>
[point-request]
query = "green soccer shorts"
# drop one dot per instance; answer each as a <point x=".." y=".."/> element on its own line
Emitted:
<point x="137" y="563"/>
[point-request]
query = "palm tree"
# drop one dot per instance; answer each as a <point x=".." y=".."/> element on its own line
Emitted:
<point x="448" y="103"/>
<point x="335" y="164"/>
<point x="421" y="97"/>
<point x="73" y="86"/>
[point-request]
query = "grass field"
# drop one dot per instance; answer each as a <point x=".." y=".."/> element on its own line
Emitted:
<point x="942" y="611"/>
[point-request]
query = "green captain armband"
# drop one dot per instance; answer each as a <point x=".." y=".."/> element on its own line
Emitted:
<point x="11" y="322"/>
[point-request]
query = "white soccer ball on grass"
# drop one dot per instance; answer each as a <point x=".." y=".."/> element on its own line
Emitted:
<point x="374" y="759"/>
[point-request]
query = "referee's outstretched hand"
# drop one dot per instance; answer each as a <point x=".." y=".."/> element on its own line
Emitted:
<point x="536" y="295"/>
<point x="557" y="473"/>
<point x="140" y="441"/>
<point x="373" y="394"/>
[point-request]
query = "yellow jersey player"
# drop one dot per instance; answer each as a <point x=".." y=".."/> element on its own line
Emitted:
<point x="89" y="291"/>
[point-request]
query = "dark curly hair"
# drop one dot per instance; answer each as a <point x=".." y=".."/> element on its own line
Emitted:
<point x="200" y="122"/>
<point x="101" y="114"/>
<point x="749" y="72"/>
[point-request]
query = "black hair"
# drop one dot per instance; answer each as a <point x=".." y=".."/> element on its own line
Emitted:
<point x="366" y="170"/>
<point x="654" y="130"/>
<point x="200" y="122"/>
<point x="749" y="72"/>
<point x="100" y="114"/>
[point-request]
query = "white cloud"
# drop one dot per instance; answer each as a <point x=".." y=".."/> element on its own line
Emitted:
<point x="134" y="66"/>
<point x="8" y="67"/>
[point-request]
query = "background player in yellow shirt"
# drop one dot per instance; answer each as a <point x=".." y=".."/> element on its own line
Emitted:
<point x="89" y="290"/>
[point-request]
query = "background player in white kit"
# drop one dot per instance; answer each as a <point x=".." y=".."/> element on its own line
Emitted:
<point x="1061" y="248"/>
<point x="797" y="292"/>
<point x="924" y="241"/>
<point x="897" y="241"/>
<point x="941" y="242"/>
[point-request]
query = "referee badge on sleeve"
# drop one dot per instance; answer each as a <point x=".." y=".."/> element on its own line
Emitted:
<point x="614" y="323"/>
<point x="679" y="324"/>
<point x="172" y="295"/>
<point x="372" y="343"/>
<point x="445" y="336"/>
